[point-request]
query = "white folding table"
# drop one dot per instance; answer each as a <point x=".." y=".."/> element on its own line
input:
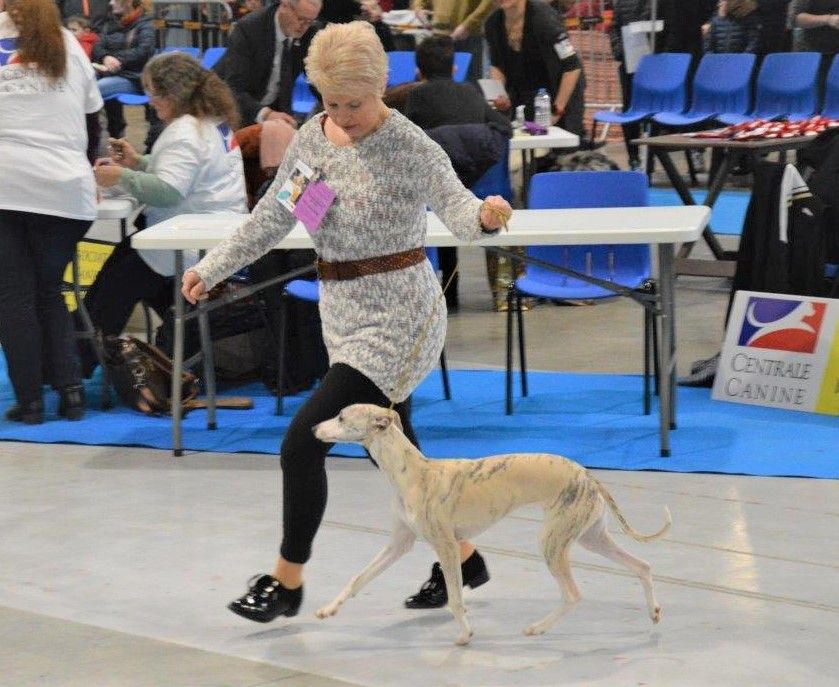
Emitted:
<point x="528" y="145"/>
<point x="661" y="226"/>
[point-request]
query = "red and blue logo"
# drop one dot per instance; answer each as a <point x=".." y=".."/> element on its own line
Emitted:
<point x="782" y="325"/>
<point x="8" y="51"/>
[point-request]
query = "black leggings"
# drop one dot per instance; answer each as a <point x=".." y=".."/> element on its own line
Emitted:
<point x="303" y="457"/>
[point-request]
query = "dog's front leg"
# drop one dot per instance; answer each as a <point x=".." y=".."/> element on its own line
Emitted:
<point x="401" y="541"/>
<point x="449" y="554"/>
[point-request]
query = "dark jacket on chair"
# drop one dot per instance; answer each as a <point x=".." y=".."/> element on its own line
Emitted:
<point x="472" y="148"/>
<point x="247" y="63"/>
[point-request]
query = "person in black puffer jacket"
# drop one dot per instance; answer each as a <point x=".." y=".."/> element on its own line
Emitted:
<point x="120" y="56"/>
<point x="730" y="30"/>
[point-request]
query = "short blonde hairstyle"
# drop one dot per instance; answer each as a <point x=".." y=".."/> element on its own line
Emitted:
<point x="347" y="59"/>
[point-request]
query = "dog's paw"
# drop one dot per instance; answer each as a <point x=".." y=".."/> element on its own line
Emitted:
<point x="535" y="629"/>
<point x="327" y="611"/>
<point x="655" y="616"/>
<point x="464" y="638"/>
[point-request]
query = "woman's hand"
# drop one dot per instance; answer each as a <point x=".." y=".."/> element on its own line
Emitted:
<point x="106" y="172"/>
<point x="123" y="153"/>
<point x="502" y="103"/>
<point x="495" y="212"/>
<point x="193" y="287"/>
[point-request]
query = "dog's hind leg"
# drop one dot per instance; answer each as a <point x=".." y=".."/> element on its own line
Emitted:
<point x="401" y="541"/>
<point x="596" y="538"/>
<point x="556" y="547"/>
<point x="449" y="555"/>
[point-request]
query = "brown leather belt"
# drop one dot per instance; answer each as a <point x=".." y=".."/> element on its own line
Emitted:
<point x="353" y="269"/>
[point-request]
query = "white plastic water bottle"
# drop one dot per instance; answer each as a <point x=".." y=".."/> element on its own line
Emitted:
<point x="542" y="108"/>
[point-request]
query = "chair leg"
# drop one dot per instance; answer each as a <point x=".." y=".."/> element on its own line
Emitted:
<point x="648" y="315"/>
<point x="281" y="337"/>
<point x="444" y="372"/>
<point x="147" y="316"/>
<point x="522" y="361"/>
<point x="509" y="375"/>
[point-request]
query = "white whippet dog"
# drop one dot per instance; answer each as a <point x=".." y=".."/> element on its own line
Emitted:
<point x="447" y="500"/>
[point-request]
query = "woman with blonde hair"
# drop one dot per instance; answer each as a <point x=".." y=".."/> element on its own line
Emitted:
<point x="194" y="166"/>
<point x="384" y="318"/>
<point x="47" y="199"/>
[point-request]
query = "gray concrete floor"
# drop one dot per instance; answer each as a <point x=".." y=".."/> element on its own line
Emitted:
<point x="117" y="563"/>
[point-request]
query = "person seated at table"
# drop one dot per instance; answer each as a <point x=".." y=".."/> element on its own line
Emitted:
<point x="439" y="101"/>
<point x="120" y="55"/>
<point x="529" y="49"/>
<point x="80" y="27"/>
<point x="195" y="166"/>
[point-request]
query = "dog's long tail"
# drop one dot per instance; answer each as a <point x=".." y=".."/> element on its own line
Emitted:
<point x="625" y="526"/>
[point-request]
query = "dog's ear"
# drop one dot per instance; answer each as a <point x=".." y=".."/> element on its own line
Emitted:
<point x="382" y="420"/>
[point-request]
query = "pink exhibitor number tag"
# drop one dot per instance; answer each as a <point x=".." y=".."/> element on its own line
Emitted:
<point x="313" y="204"/>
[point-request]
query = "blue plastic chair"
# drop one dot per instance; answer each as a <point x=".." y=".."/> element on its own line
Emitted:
<point x="627" y="265"/>
<point x="211" y="57"/>
<point x="402" y="66"/>
<point x="302" y="98"/>
<point x="309" y="290"/>
<point x="831" y="91"/>
<point x="722" y="83"/>
<point x="139" y="99"/>
<point x="786" y="87"/>
<point x="496" y="180"/>
<point x="659" y="85"/>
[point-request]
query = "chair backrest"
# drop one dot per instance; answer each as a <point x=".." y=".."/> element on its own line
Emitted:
<point x="211" y="56"/>
<point x="628" y="265"/>
<point x="302" y="98"/>
<point x="787" y="84"/>
<point x="462" y="60"/>
<point x="831" y="91"/>
<point x="192" y="52"/>
<point x="496" y="180"/>
<point x="723" y="83"/>
<point x="660" y="83"/>
<point x="401" y="66"/>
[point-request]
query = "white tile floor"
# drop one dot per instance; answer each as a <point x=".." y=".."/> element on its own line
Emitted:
<point x="117" y="564"/>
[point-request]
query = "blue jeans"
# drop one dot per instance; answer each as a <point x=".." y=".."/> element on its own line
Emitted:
<point x="35" y="328"/>
<point x="110" y="86"/>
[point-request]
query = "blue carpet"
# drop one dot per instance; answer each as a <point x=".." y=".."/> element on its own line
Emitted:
<point x="594" y="419"/>
<point x="727" y="214"/>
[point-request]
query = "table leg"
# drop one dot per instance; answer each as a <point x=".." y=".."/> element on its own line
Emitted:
<point x="209" y="364"/>
<point x="178" y="356"/>
<point x="667" y="350"/>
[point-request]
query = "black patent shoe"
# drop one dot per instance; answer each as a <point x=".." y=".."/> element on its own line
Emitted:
<point x="71" y="403"/>
<point x="266" y="599"/>
<point x="31" y="413"/>
<point x="433" y="592"/>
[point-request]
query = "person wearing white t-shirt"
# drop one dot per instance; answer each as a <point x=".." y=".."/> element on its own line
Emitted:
<point x="195" y="166"/>
<point x="47" y="200"/>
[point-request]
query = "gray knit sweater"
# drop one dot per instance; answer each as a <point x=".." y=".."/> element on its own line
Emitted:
<point x="388" y="326"/>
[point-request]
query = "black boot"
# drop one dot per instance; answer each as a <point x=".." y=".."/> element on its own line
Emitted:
<point x="71" y="404"/>
<point x="433" y="592"/>
<point x="266" y="599"/>
<point x="31" y="413"/>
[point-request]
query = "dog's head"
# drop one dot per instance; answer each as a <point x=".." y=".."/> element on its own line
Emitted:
<point x="357" y="424"/>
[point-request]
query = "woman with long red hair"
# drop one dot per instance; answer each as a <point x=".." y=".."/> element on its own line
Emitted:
<point x="47" y="200"/>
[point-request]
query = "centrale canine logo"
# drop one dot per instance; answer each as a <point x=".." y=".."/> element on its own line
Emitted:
<point x="781" y="325"/>
<point x="8" y="51"/>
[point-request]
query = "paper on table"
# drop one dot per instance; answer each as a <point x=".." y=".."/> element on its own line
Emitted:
<point x="492" y="88"/>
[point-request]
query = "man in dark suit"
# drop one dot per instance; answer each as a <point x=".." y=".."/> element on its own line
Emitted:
<point x="265" y="55"/>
